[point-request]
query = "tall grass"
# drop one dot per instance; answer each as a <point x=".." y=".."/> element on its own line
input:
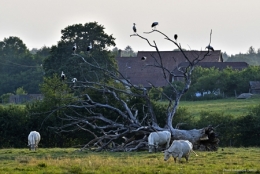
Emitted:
<point x="60" y="161"/>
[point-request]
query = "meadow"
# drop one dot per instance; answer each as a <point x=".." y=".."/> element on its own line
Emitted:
<point x="72" y="161"/>
<point x="231" y="106"/>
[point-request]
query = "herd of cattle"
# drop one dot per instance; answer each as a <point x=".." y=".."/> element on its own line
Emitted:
<point x="178" y="149"/>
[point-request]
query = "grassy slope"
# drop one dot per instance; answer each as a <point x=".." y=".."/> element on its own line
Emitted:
<point x="70" y="161"/>
<point x="236" y="107"/>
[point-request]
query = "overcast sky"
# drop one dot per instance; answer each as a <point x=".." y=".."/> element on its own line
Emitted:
<point x="235" y="24"/>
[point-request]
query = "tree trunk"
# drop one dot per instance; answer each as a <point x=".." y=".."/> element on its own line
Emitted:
<point x="202" y="139"/>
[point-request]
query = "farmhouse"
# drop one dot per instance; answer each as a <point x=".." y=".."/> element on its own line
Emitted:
<point x="136" y="71"/>
<point x="18" y="99"/>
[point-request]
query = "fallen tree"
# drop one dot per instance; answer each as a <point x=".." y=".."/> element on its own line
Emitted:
<point x="120" y="115"/>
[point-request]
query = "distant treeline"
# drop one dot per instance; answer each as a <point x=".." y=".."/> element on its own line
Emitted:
<point x="20" y="68"/>
<point x="212" y="83"/>
<point x="24" y="68"/>
<point x="252" y="57"/>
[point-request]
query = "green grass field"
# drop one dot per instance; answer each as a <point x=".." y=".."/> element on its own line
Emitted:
<point x="68" y="161"/>
<point x="71" y="161"/>
<point x="232" y="106"/>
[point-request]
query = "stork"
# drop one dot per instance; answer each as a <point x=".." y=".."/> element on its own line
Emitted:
<point x="134" y="28"/>
<point x="154" y="25"/>
<point x="210" y="48"/>
<point x="74" y="48"/>
<point x="89" y="47"/>
<point x="175" y="36"/>
<point x="74" y="80"/>
<point x="62" y="75"/>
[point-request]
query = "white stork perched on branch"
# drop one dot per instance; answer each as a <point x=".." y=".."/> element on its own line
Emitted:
<point x="89" y="47"/>
<point x="62" y="76"/>
<point x="74" y="48"/>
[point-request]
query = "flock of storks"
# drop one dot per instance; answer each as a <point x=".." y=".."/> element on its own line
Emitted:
<point x="74" y="48"/>
<point x="154" y="24"/>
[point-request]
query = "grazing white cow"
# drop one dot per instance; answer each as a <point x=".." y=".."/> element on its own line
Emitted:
<point x="159" y="138"/>
<point x="33" y="140"/>
<point x="180" y="149"/>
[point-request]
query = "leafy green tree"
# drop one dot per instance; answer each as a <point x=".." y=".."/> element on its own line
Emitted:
<point x="63" y="59"/>
<point x="41" y="54"/>
<point x="55" y="91"/>
<point x="20" y="91"/>
<point x="252" y="73"/>
<point x="56" y="94"/>
<point x="5" y="97"/>
<point x="18" y="67"/>
<point x="251" y="57"/>
<point x="197" y="73"/>
<point x="89" y="33"/>
<point x="156" y="93"/>
<point x="225" y="56"/>
<point x="115" y="51"/>
<point x="258" y="52"/>
<point x="224" y="123"/>
<point x="167" y="89"/>
<point x="238" y="81"/>
<point x="251" y="51"/>
<point x="247" y="128"/>
<point x="227" y="81"/>
<point x="13" y="52"/>
<point x="13" y="127"/>
<point x="129" y="52"/>
<point x="209" y="82"/>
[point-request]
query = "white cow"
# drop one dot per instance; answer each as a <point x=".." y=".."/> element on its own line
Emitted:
<point x="33" y="140"/>
<point x="159" y="138"/>
<point x="180" y="149"/>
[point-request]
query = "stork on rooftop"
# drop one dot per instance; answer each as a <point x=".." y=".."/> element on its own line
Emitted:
<point x="210" y="48"/>
<point x="143" y="58"/>
<point x="154" y="24"/>
<point x="62" y="75"/>
<point x="134" y="28"/>
<point x="74" y="48"/>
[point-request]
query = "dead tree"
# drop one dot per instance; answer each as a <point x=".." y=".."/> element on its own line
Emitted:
<point x="199" y="137"/>
<point x="114" y="122"/>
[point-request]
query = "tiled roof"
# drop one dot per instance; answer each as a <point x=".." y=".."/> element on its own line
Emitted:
<point x="137" y="71"/>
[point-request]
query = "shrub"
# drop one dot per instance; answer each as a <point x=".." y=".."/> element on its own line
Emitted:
<point x="248" y="128"/>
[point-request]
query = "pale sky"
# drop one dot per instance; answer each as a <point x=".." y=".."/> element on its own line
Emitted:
<point x="235" y="24"/>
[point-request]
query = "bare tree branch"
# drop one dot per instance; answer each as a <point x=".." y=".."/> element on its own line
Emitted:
<point x="110" y="120"/>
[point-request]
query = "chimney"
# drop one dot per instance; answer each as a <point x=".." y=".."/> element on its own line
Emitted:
<point x="119" y="53"/>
